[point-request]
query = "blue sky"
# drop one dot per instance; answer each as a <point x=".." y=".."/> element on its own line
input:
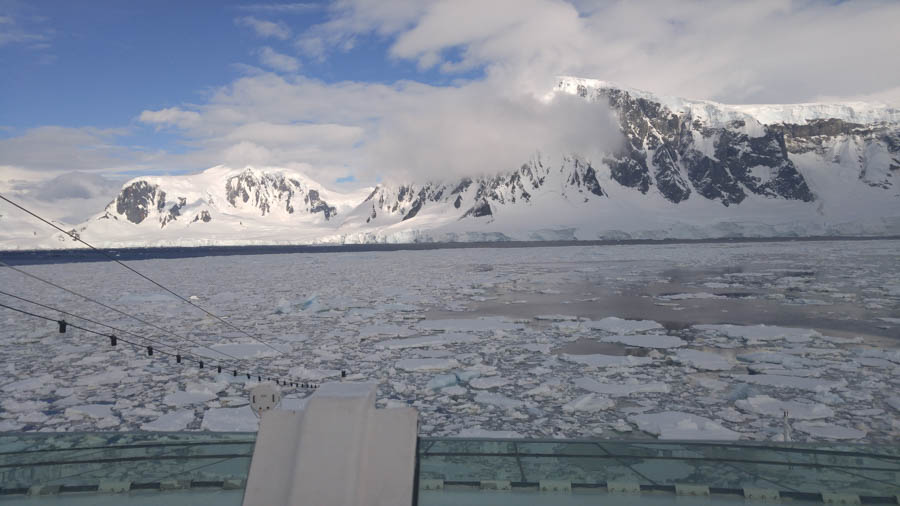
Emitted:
<point x="100" y="63"/>
<point x="355" y="91"/>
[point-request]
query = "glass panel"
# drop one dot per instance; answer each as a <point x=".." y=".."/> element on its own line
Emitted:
<point x="80" y="461"/>
<point x="790" y="469"/>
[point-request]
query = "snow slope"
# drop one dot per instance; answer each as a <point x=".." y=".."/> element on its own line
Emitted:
<point x="686" y="169"/>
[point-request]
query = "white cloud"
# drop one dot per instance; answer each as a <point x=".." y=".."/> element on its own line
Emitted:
<point x="14" y="31"/>
<point x="279" y="8"/>
<point x="265" y="28"/>
<point x="731" y="51"/>
<point x="767" y="51"/>
<point x="172" y="116"/>
<point x="403" y="131"/>
<point x="278" y="61"/>
<point x="55" y="149"/>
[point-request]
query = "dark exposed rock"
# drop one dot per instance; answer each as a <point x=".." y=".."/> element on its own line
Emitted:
<point x="136" y="199"/>
<point x="482" y="208"/>
<point x="266" y="190"/>
<point x="202" y="216"/>
<point x="414" y="210"/>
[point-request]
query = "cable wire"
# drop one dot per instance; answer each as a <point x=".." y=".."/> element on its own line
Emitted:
<point x="123" y="331"/>
<point x="123" y="313"/>
<point x="242" y="363"/>
<point x="178" y="356"/>
<point x="74" y="235"/>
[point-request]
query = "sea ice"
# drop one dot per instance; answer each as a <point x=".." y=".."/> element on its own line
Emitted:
<point x="302" y="372"/>
<point x="441" y="381"/>
<point x="424" y="341"/>
<point x="454" y="390"/>
<point x="485" y="324"/>
<point x="771" y="357"/>
<point x="598" y="360"/>
<point x="703" y="360"/>
<point x="621" y="389"/>
<point x="826" y="430"/>
<point x="687" y="296"/>
<point x="10" y="426"/>
<point x="678" y="425"/>
<point x="91" y="410"/>
<point x="176" y="420"/>
<point x="426" y="364"/>
<point x="477" y="432"/>
<point x="588" y="403"/>
<point x="239" y="350"/>
<point x="179" y="399"/>
<point x="487" y="382"/>
<point x="791" y="382"/>
<point x="230" y="420"/>
<point x="775" y="408"/>
<point x="27" y="384"/>
<point x="615" y="325"/>
<point x="894" y="402"/>
<point x="388" y="330"/>
<point x="709" y="383"/>
<point x="498" y="400"/>
<point x="557" y="318"/>
<point x="756" y="333"/>
<point x="108" y="377"/>
<point x="646" y="341"/>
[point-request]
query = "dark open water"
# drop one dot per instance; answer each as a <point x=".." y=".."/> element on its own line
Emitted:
<point x="33" y="257"/>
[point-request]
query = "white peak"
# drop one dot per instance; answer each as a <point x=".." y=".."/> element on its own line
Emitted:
<point x="716" y="113"/>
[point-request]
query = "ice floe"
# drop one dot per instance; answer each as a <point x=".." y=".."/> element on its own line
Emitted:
<point x="761" y="333"/>
<point x="588" y="403"/>
<point x="174" y="421"/>
<point x="599" y="360"/>
<point x="485" y="324"/>
<point x="769" y="406"/>
<point x="678" y="425"/>
<point x="826" y="430"/>
<point x="790" y="382"/>
<point x="615" y="325"/>
<point x="646" y="341"/>
<point x="425" y="341"/>
<point x="179" y="399"/>
<point x="230" y="420"/>
<point x="703" y="360"/>
<point x="426" y="364"/>
<point x="621" y="389"/>
<point x="488" y="382"/>
<point x="498" y="400"/>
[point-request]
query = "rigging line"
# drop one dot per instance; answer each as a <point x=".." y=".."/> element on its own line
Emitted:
<point x="74" y="326"/>
<point x="147" y="339"/>
<point x="75" y="236"/>
<point x="255" y="370"/>
<point x="186" y="356"/>
<point x="145" y="322"/>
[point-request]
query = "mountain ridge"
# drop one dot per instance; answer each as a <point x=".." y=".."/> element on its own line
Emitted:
<point x="686" y="169"/>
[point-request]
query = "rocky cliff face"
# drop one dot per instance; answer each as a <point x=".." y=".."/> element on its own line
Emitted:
<point x="268" y="191"/>
<point x="480" y="197"/>
<point x="682" y="150"/>
<point x="254" y="192"/>
<point x="681" y="155"/>
<point x="872" y="150"/>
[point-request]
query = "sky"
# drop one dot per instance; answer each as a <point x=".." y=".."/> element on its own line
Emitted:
<point x="353" y="92"/>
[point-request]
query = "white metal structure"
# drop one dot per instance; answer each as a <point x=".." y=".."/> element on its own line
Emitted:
<point x="338" y="451"/>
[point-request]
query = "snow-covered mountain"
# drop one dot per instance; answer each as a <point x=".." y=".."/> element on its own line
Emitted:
<point x="686" y="168"/>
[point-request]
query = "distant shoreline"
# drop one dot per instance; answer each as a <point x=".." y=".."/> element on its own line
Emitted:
<point x="53" y="256"/>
